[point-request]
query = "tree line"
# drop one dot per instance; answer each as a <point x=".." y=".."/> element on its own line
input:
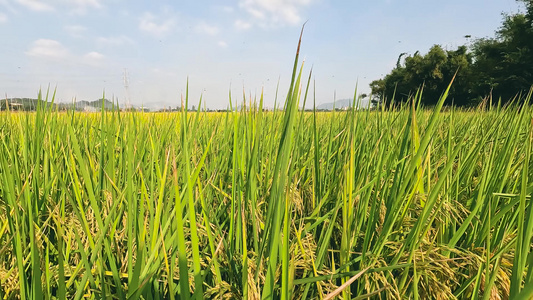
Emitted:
<point x="500" y="67"/>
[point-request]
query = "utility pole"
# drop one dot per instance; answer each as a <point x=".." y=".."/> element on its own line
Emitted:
<point x="126" y="89"/>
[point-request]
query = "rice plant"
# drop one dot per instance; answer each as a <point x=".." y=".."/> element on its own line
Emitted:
<point x="407" y="202"/>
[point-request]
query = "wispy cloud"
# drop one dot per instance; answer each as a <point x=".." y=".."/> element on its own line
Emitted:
<point x="70" y="6"/>
<point x="75" y="30"/>
<point x="242" y="25"/>
<point x="3" y="18"/>
<point x="36" y="5"/>
<point x="85" y="3"/>
<point x="82" y="6"/>
<point x="94" y="59"/>
<point x="208" y="29"/>
<point x="46" y="48"/>
<point x="154" y="25"/>
<point x="7" y="6"/>
<point x="52" y="50"/>
<point x="273" y="13"/>
<point x="222" y="44"/>
<point x="227" y="9"/>
<point x="94" y="55"/>
<point x="115" y="40"/>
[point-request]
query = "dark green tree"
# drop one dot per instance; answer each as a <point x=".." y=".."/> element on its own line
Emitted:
<point x="501" y="66"/>
<point x="430" y="73"/>
<point x="504" y="64"/>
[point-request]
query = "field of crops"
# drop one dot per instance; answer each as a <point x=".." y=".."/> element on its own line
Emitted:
<point x="406" y="203"/>
<point x="409" y="203"/>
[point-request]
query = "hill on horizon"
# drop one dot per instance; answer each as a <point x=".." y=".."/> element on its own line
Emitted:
<point x="88" y="105"/>
<point x="30" y="104"/>
<point x="342" y="104"/>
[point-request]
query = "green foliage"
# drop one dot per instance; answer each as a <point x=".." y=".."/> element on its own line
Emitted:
<point x="500" y="67"/>
<point x="431" y="72"/>
<point x="20" y="104"/>
<point x="28" y="104"/>
<point x="275" y="205"/>
<point x="504" y="65"/>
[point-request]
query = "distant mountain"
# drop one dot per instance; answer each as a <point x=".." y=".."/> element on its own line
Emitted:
<point x="341" y="104"/>
<point x="88" y="105"/>
<point x="30" y="104"/>
<point x="26" y="104"/>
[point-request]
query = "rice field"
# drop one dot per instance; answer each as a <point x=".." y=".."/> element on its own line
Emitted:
<point x="405" y="203"/>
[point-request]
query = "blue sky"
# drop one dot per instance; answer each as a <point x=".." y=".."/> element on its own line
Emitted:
<point x="84" y="46"/>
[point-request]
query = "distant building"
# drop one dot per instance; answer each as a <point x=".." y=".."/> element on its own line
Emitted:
<point x="16" y="106"/>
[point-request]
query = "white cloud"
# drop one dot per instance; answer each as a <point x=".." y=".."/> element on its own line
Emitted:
<point x="8" y="6"/>
<point x="72" y="6"/>
<point x="242" y="25"/>
<point x="75" y="30"/>
<point x="94" y="55"/>
<point x="3" y="18"/>
<point x="54" y="51"/>
<point x="271" y="13"/>
<point x="81" y="6"/>
<point x="205" y="28"/>
<point x="228" y="9"/>
<point x="115" y="40"/>
<point x="222" y="44"/>
<point x="164" y="72"/>
<point x="48" y="49"/>
<point x="85" y="3"/>
<point x="94" y="59"/>
<point x="151" y="24"/>
<point x="36" y="5"/>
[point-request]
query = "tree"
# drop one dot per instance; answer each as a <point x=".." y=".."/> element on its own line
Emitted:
<point x="431" y="73"/>
<point x="504" y="64"/>
<point x="501" y="66"/>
